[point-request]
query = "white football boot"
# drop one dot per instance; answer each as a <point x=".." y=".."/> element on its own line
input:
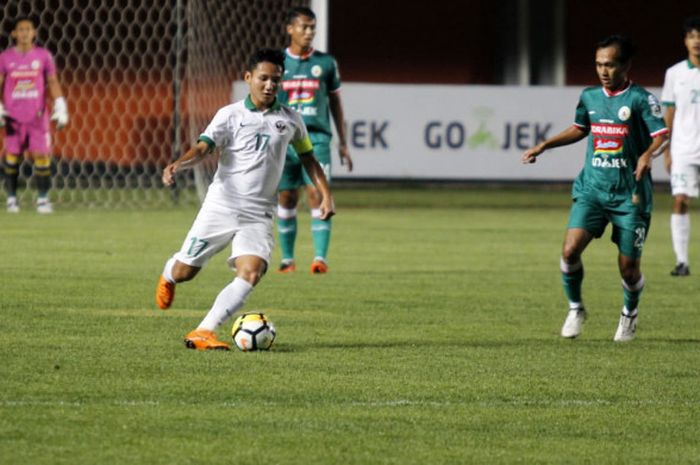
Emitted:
<point x="12" y="205"/>
<point x="44" y="207"/>
<point x="626" y="328"/>
<point x="573" y="324"/>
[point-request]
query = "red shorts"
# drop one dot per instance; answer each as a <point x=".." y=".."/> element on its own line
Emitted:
<point x="33" y="136"/>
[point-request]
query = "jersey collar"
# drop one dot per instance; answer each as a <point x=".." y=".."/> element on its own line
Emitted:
<point x="301" y="57"/>
<point x="690" y="64"/>
<point x="617" y="92"/>
<point x="251" y="106"/>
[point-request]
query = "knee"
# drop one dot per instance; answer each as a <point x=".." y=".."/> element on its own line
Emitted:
<point x="288" y="199"/>
<point x="570" y="253"/>
<point x="250" y="273"/>
<point x="681" y="203"/>
<point x="42" y="165"/>
<point x="11" y="163"/>
<point x="630" y="272"/>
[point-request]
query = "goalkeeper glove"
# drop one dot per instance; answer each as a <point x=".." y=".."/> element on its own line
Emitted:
<point x="60" y="112"/>
<point x="3" y="114"/>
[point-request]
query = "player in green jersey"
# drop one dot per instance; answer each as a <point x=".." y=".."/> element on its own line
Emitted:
<point x="625" y="129"/>
<point x="310" y="85"/>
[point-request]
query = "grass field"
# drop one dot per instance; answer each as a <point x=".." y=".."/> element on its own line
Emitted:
<point x="433" y="340"/>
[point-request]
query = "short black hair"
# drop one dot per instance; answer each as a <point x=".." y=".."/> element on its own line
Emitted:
<point x="626" y="47"/>
<point x="297" y="11"/>
<point x="21" y="18"/>
<point x="692" y="24"/>
<point x="271" y="55"/>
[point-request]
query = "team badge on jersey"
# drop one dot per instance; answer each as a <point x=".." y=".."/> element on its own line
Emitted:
<point x="624" y="113"/>
<point x="655" y="107"/>
<point x="316" y="70"/>
<point x="35" y="64"/>
<point x="280" y="126"/>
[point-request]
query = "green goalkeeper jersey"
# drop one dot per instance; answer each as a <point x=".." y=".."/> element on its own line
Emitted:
<point x="621" y="126"/>
<point x="305" y="86"/>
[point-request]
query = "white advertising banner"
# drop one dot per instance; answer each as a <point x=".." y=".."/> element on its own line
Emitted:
<point x="449" y="132"/>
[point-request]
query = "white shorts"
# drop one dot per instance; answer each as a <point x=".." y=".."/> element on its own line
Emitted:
<point x="685" y="178"/>
<point x="216" y="227"/>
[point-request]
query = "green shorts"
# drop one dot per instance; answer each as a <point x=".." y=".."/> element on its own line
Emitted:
<point x="630" y="225"/>
<point x="294" y="175"/>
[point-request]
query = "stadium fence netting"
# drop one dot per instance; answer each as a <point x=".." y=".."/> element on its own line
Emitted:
<point x="142" y="80"/>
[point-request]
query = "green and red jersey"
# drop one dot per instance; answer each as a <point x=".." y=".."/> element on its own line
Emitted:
<point x="307" y="81"/>
<point x="621" y="126"/>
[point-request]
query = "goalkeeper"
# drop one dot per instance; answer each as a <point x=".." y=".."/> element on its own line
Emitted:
<point x="25" y="72"/>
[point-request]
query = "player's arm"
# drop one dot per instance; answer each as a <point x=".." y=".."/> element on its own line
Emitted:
<point x="658" y="143"/>
<point x="569" y="136"/>
<point x="60" y="107"/>
<point x="668" y="119"/>
<point x="192" y="157"/>
<point x="336" y="106"/>
<point x="315" y="172"/>
<point x="3" y="113"/>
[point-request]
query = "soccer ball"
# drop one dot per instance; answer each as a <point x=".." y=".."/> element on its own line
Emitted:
<point x="253" y="331"/>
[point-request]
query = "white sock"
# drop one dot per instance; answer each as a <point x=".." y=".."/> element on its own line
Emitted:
<point x="168" y="270"/>
<point x="680" y="234"/>
<point x="230" y="299"/>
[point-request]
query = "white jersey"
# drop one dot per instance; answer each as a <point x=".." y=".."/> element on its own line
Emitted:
<point x="682" y="90"/>
<point x="253" y="146"/>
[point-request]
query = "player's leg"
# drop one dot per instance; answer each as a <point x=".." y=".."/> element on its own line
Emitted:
<point x="320" y="229"/>
<point x="684" y="184"/>
<point x="39" y="140"/>
<point x="10" y="167"/>
<point x="586" y="222"/>
<point x="14" y="147"/>
<point x="251" y="250"/>
<point x="211" y="231"/>
<point x="575" y="242"/>
<point x="42" y="177"/>
<point x="629" y="233"/>
<point x="287" y="200"/>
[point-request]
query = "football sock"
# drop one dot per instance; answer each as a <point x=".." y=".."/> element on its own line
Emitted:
<point x="632" y="293"/>
<point x="168" y="270"/>
<point x="10" y="167"/>
<point x="629" y="313"/>
<point x="572" y="277"/>
<point x="287" y="230"/>
<point x="230" y="299"/>
<point x="42" y="171"/>
<point x="320" y="233"/>
<point x="680" y="234"/>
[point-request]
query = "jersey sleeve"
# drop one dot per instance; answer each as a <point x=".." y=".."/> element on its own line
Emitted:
<point x="300" y="141"/>
<point x="216" y="134"/>
<point x="581" y="119"/>
<point x="49" y="64"/>
<point x="667" y="97"/>
<point x="333" y="77"/>
<point x="652" y="114"/>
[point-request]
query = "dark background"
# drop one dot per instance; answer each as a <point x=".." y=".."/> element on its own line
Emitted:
<point x="466" y="42"/>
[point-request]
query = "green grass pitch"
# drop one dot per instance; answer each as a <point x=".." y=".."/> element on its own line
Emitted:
<point x="433" y="340"/>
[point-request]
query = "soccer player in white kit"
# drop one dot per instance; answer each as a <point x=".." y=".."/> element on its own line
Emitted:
<point x="252" y="136"/>
<point x="681" y="96"/>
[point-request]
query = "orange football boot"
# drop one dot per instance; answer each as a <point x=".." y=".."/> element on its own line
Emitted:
<point x="203" y="339"/>
<point x="319" y="266"/>
<point x="287" y="267"/>
<point x="165" y="293"/>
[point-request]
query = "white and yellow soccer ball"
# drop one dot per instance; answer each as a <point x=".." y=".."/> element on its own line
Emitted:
<point x="253" y="331"/>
